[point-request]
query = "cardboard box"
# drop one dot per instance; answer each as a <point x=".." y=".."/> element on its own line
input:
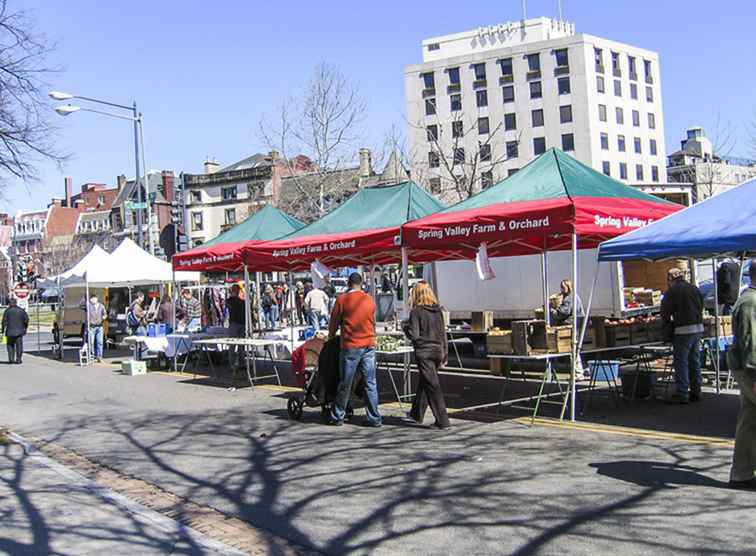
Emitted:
<point x="133" y="368"/>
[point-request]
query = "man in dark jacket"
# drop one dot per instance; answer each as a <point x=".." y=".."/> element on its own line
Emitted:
<point x="15" y="323"/>
<point x="741" y="358"/>
<point x="728" y="285"/>
<point x="682" y="308"/>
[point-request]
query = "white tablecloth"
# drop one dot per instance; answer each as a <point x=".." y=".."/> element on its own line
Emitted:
<point x="172" y="344"/>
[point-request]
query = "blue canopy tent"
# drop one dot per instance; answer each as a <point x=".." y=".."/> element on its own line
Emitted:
<point x="722" y="225"/>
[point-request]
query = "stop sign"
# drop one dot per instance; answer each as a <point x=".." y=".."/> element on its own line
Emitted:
<point x="21" y="291"/>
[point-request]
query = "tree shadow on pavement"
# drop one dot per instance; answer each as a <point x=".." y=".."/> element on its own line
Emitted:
<point x="656" y="474"/>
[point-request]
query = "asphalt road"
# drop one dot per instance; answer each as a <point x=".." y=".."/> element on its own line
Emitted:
<point x="484" y="488"/>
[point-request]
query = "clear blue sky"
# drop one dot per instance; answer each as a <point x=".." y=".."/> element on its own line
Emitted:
<point x="204" y="73"/>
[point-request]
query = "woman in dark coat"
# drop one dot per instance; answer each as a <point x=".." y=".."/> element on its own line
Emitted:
<point x="427" y="332"/>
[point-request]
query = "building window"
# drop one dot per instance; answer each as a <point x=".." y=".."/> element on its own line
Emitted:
<point x="486" y="179"/>
<point x="485" y="152"/>
<point x="481" y="98"/>
<point x="561" y="57"/>
<point x="429" y="81"/>
<point x="456" y="103"/>
<point x="512" y="171"/>
<point x="605" y="141"/>
<point x="620" y="115"/>
<point x="602" y="112"/>
<point x="568" y="142"/>
<point x="631" y="68"/>
<point x="513" y="149"/>
<point x="230" y="216"/>
<point x="621" y="143"/>
<point x="483" y="127"/>
<point x="599" y="57"/>
<point x="606" y="168"/>
<point x="196" y="221"/>
<point x="651" y="121"/>
<point x="565" y="114"/>
<point x="639" y="172"/>
<point x="101" y="200"/>
<point x="623" y="171"/>
<point x="647" y="71"/>
<point x="459" y="155"/>
<point x="508" y="93"/>
<point x="534" y="62"/>
<point x="457" y="129"/>
<point x="535" y="89"/>
<point x="510" y="121"/>
<point x="652" y="146"/>
<point x="195" y="196"/>
<point x="430" y="106"/>
<point x="617" y="88"/>
<point x="654" y="173"/>
<point x="600" y="84"/>
<point x="616" y="65"/>
<point x="650" y="94"/>
<point x="537" y="117"/>
<point x="506" y="66"/>
<point x="479" y="70"/>
<point x="433" y="159"/>
<point x="435" y="185"/>
<point x="539" y="145"/>
<point x="563" y="85"/>
<point x="453" y="76"/>
<point x="228" y="193"/>
<point x="431" y="132"/>
<point x="637" y="143"/>
<point x="636" y="118"/>
<point x="634" y="91"/>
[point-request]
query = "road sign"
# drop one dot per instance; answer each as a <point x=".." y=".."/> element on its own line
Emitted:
<point x="134" y="205"/>
<point x="21" y="291"/>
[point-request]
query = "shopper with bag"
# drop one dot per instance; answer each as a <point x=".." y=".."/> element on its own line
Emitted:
<point x="14" y="325"/>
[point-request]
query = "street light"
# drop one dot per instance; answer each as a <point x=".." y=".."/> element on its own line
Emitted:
<point x="137" y="118"/>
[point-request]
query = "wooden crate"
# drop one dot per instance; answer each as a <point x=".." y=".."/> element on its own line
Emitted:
<point x="649" y="298"/>
<point x="499" y="367"/>
<point x="522" y="331"/>
<point x="725" y="326"/>
<point x="482" y="321"/>
<point x="655" y="330"/>
<point x="500" y="343"/>
<point x="617" y="335"/>
<point x="559" y="339"/>
<point x="638" y="333"/>
<point x="598" y="328"/>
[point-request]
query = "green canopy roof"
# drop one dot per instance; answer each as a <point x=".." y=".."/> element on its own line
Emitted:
<point x="373" y="208"/>
<point x="267" y="223"/>
<point x="553" y="175"/>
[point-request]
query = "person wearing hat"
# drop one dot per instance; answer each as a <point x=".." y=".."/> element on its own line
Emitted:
<point x="682" y="312"/>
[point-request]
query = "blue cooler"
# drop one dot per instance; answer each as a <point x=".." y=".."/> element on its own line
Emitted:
<point x="151" y="330"/>
<point x="162" y="329"/>
<point x="307" y="334"/>
<point x="604" y="370"/>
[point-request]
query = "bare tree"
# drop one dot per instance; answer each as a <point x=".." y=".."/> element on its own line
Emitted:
<point x="26" y="135"/>
<point x="450" y="167"/>
<point x="324" y="125"/>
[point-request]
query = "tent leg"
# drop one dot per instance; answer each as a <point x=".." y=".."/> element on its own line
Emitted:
<point x="257" y="302"/>
<point x="545" y="286"/>
<point x="716" y="319"/>
<point x="573" y="388"/>
<point x="291" y="319"/>
<point x="405" y="284"/>
<point x="86" y="316"/>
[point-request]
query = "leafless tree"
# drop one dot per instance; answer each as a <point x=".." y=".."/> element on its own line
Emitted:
<point x="26" y="134"/>
<point x="449" y="168"/>
<point x="324" y="125"/>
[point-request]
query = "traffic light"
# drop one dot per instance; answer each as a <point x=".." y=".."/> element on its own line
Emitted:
<point x="21" y="272"/>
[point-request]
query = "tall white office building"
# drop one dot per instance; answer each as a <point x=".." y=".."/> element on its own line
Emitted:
<point x="483" y="103"/>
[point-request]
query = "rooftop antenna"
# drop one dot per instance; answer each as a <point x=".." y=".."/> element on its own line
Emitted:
<point x="524" y="10"/>
<point x="559" y="6"/>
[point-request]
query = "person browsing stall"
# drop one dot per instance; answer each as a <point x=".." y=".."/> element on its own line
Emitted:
<point x="236" y="321"/>
<point x="96" y="316"/>
<point x="191" y="309"/>
<point x="354" y="315"/>
<point x="316" y="303"/>
<point x="427" y="332"/>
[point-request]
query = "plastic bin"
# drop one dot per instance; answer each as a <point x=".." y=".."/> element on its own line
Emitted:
<point x="156" y="329"/>
<point x="604" y="370"/>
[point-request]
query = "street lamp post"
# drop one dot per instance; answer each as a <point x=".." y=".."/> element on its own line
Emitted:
<point x="137" y="119"/>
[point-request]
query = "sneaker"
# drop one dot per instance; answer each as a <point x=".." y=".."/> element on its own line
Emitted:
<point x="410" y="419"/>
<point x="334" y="423"/>
<point x="678" y="399"/>
<point x="371" y="425"/>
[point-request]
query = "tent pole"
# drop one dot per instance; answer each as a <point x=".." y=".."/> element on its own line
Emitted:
<point x="86" y="316"/>
<point x="716" y="318"/>
<point x="247" y="304"/>
<point x="173" y="300"/>
<point x="545" y="286"/>
<point x="291" y="319"/>
<point x="405" y="284"/>
<point x="573" y="388"/>
<point x="257" y="301"/>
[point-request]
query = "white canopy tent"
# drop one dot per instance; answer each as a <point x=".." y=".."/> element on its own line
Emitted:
<point x="133" y="266"/>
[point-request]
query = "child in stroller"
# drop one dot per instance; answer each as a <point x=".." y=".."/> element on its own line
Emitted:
<point x="320" y="384"/>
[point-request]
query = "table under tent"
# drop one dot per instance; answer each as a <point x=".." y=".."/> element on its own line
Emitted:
<point x="721" y="226"/>
<point x="554" y="203"/>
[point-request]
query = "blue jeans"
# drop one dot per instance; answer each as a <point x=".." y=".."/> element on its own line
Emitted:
<point x="687" y="361"/>
<point x="269" y="316"/>
<point x="317" y="320"/>
<point x="351" y="361"/>
<point x="95" y="341"/>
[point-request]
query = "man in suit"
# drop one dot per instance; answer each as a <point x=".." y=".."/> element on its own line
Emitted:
<point x="14" y="325"/>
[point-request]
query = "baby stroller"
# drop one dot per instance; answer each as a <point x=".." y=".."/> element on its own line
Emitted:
<point x="320" y="382"/>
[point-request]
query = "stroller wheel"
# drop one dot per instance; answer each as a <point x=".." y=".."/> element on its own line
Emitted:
<point x="294" y="407"/>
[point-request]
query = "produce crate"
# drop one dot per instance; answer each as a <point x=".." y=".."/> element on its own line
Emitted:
<point x="500" y="342"/>
<point x="522" y="332"/>
<point x="499" y="367"/>
<point x="649" y="298"/>
<point x="638" y="333"/>
<point x="617" y="335"/>
<point x="482" y="321"/>
<point x="589" y="341"/>
<point x="559" y="339"/>
<point x="655" y="330"/>
<point x="725" y="326"/>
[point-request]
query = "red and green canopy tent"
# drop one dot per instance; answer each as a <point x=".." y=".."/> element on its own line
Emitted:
<point x="553" y="203"/>
<point x="537" y="209"/>
<point x="365" y="229"/>
<point x="223" y="253"/>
